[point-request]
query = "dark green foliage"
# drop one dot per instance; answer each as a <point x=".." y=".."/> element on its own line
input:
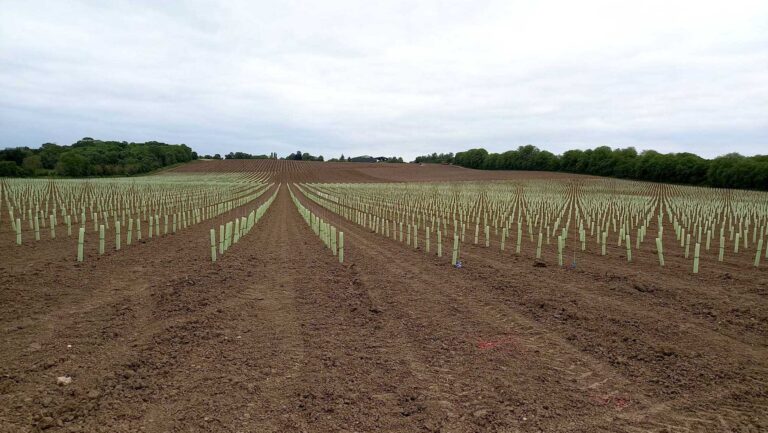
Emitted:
<point x="368" y="158"/>
<point x="10" y="169"/>
<point x="362" y="158"/>
<point x="476" y="158"/>
<point x="736" y="171"/>
<point x="15" y="154"/>
<point x="728" y="171"/>
<point x="435" y="158"/>
<point x="298" y="156"/>
<point x="50" y="154"/>
<point x="243" y="155"/>
<point x="89" y="157"/>
<point x="72" y="164"/>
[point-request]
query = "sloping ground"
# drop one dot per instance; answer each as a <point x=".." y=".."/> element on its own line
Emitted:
<point x="310" y="171"/>
<point x="278" y="336"/>
<point x="665" y="351"/>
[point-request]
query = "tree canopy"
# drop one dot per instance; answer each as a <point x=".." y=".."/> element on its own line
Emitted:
<point x="89" y="157"/>
<point x="727" y="171"/>
<point x="299" y="156"/>
<point x="243" y="155"/>
<point x="436" y="158"/>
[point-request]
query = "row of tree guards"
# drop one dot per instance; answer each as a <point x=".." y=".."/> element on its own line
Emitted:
<point x="231" y="231"/>
<point x="689" y="222"/>
<point x="126" y="210"/>
<point x="332" y="238"/>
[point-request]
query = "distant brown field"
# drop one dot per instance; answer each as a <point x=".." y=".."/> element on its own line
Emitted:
<point x="311" y="171"/>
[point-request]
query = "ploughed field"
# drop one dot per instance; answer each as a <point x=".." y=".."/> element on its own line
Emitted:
<point x="298" y="296"/>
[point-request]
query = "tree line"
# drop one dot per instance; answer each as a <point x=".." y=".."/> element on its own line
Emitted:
<point x="240" y="155"/>
<point x="89" y="157"/>
<point x="727" y="171"/>
<point x="297" y="156"/>
<point x="304" y="156"/>
<point x="367" y="158"/>
<point x="435" y="158"/>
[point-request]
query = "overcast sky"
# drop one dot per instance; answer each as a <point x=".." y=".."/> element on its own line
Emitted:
<point x="387" y="77"/>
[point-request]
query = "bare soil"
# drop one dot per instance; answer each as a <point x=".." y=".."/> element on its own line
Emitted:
<point x="356" y="172"/>
<point x="278" y="336"/>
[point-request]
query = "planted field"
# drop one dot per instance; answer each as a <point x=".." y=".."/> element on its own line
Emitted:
<point x="574" y="221"/>
<point x="122" y="211"/>
<point x="296" y="296"/>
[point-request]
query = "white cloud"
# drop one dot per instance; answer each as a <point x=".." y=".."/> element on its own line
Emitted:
<point x="388" y="77"/>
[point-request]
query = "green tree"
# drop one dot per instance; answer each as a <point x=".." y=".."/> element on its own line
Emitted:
<point x="472" y="158"/>
<point x="10" y="169"/>
<point x="72" y="164"/>
<point x="32" y="163"/>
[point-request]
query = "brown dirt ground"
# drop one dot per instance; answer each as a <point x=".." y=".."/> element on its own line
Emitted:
<point x="310" y="171"/>
<point x="278" y="336"/>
